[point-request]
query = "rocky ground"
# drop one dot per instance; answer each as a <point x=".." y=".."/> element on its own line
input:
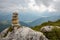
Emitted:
<point x="22" y="33"/>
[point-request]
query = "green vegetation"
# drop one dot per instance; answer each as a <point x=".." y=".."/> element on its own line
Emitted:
<point x="49" y="23"/>
<point x="54" y="34"/>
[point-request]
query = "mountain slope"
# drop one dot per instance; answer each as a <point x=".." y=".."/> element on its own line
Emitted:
<point x="49" y="23"/>
<point x="50" y="29"/>
<point x="4" y="24"/>
<point x="44" y="19"/>
<point x="24" y="24"/>
<point x="7" y="23"/>
<point x="38" y="21"/>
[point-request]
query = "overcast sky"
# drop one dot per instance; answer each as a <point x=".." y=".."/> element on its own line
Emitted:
<point x="33" y="5"/>
<point x="31" y="8"/>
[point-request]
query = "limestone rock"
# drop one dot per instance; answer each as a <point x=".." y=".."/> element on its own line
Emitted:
<point x="47" y="28"/>
<point x="23" y="33"/>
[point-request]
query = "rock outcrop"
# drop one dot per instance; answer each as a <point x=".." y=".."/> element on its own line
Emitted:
<point x="22" y="33"/>
<point x="47" y="28"/>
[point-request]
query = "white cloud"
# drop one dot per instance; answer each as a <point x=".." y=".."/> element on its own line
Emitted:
<point x="51" y="8"/>
<point x="48" y="3"/>
<point x="43" y="8"/>
<point x="54" y="0"/>
<point x="33" y="5"/>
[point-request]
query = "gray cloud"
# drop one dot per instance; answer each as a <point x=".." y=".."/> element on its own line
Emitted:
<point x="18" y="4"/>
<point x="47" y="3"/>
<point x="57" y="6"/>
<point x="10" y="5"/>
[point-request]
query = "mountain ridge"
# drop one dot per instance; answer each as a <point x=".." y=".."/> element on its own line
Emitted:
<point x="44" y="19"/>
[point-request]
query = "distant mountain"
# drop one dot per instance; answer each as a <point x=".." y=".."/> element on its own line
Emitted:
<point x="25" y="17"/>
<point x="5" y="24"/>
<point x="44" y="19"/>
<point x="4" y="17"/>
<point x="38" y="21"/>
<point x="24" y="24"/>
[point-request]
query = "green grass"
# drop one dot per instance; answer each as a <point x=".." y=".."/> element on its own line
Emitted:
<point x="49" y="23"/>
<point x="54" y="34"/>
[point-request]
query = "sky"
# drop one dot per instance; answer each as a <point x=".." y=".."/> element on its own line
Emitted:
<point x="35" y="8"/>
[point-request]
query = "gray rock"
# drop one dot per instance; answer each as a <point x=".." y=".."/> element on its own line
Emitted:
<point x="24" y="33"/>
<point x="47" y="28"/>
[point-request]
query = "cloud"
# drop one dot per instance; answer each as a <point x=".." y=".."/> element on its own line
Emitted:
<point x="33" y="5"/>
<point x="51" y="8"/>
<point x="11" y="5"/>
<point x="48" y="3"/>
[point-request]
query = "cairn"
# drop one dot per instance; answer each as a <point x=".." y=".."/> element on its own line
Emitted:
<point x="15" y="21"/>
